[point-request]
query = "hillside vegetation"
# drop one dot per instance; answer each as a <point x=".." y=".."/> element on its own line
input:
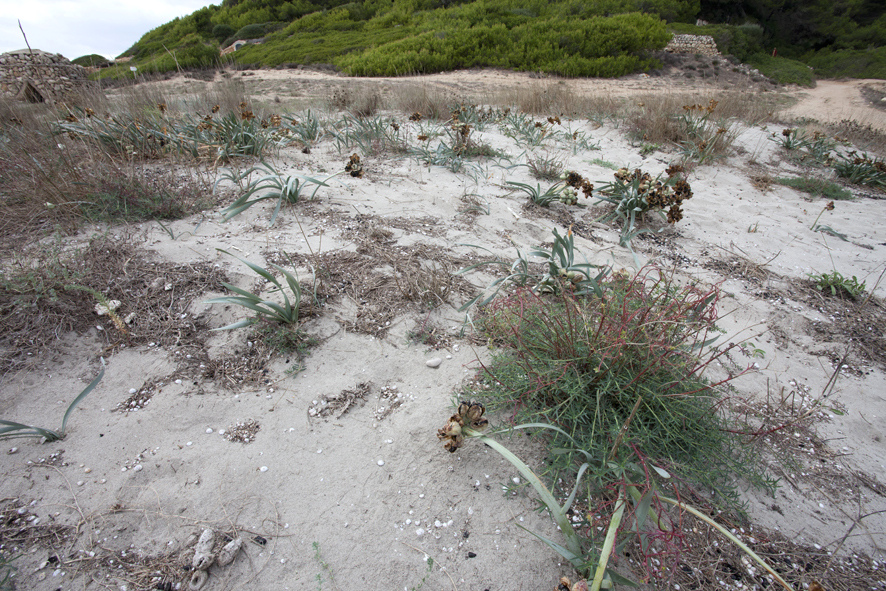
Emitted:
<point x="569" y="37"/>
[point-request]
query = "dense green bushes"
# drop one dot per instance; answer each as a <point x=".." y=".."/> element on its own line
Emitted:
<point x="569" y="37"/>
<point x="597" y="46"/>
<point x="783" y="70"/>
<point x="850" y="63"/>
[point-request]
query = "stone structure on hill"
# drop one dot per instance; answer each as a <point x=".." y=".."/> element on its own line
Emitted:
<point x="36" y="76"/>
<point x="701" y="44"/>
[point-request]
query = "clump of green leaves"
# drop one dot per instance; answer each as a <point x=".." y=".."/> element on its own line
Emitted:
<point x="562" y="272"/>
<point x="264" y="309"/>
<point x="285" y="189"/>
<point x="544" y="167"/>
<point x="836" y="284"/>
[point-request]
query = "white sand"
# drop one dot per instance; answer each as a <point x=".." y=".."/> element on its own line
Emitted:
<point x="324" y="483"/>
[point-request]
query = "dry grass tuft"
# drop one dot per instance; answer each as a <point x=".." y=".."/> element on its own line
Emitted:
<point x="361" y="101"/>
<point x="655" y="118"/>
<point x="431" y="101"/>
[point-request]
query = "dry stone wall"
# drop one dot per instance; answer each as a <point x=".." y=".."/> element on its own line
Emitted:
<point x="702" y="44"/>
<point x="37" y="76"/>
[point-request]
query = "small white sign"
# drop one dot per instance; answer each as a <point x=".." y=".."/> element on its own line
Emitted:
<point x="133" y="68"/>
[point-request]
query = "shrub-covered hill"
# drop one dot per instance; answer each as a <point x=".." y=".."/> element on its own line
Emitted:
<point x="569" y="37"/>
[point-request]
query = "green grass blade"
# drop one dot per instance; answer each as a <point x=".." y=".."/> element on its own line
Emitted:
<point x="80" y="397"/>
<point x="239" y="324"/>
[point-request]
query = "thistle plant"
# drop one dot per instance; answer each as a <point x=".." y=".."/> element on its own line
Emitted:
<point x="791" y="139"/>
<point x="270" y="310"/>
<point x="10" y="429"/>
<point x="862" y="170"/>
<point x="707" y="139"/>
<point x="636" y="193"/>
<point x="565" y="191"/>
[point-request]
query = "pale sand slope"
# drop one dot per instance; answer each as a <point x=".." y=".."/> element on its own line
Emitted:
<point x="363" y="488"/>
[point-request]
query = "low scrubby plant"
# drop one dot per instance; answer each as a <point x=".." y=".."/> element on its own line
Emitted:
<point x="544" y="167"/>
<point x="838" y="285"/>
<point x="816" y="187"/>
<point x="630" y="506"/>
<point x="584" y="363"/>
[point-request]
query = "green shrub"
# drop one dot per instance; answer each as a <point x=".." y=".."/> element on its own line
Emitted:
<point x="222" y="32"/>
<point x="783" y="70"/>
<point x="851" y="63"/>
<point x="91" y="60"/>
<point x="598" y="46"/>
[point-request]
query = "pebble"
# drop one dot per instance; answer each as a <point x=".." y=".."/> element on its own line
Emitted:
<point x="87" y="470"/>
<point x="138" y="468"/>
<point x="381" y="462"/>
<point x="132" y="390"/>
<point x="189" y="443"/>
<point x="263" y="469"/>
<point x="12" y="450"/>
<point x="434" y="362"/>
<point x="209" y="430"/>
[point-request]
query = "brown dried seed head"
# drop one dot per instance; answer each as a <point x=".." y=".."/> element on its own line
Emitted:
<point x="475" y="412"/>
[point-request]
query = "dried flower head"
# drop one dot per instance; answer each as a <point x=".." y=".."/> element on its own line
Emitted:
<point x="162" y="107"/>
<point x="216" y="108"/>
<point x="555" y="120"/>
<point x="675" y="214"/>
<point x="247" y="116"/>
<point x="673" y="170"/>
<point x="89" y="112"/>
<point x="354" y="166"/>
<point x="415" y="116"/>
<point x="422" y="138"/>
<point x="71" y="118"/>
<point x="395" y="126"/>
<point x="829" y="206"/>
<point x="469" y="414"/>
<point x="787" y="132"/>
<point x="243" y="106"/>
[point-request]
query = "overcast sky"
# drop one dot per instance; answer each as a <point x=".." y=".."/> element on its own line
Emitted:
<point x="82" y="27"/>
